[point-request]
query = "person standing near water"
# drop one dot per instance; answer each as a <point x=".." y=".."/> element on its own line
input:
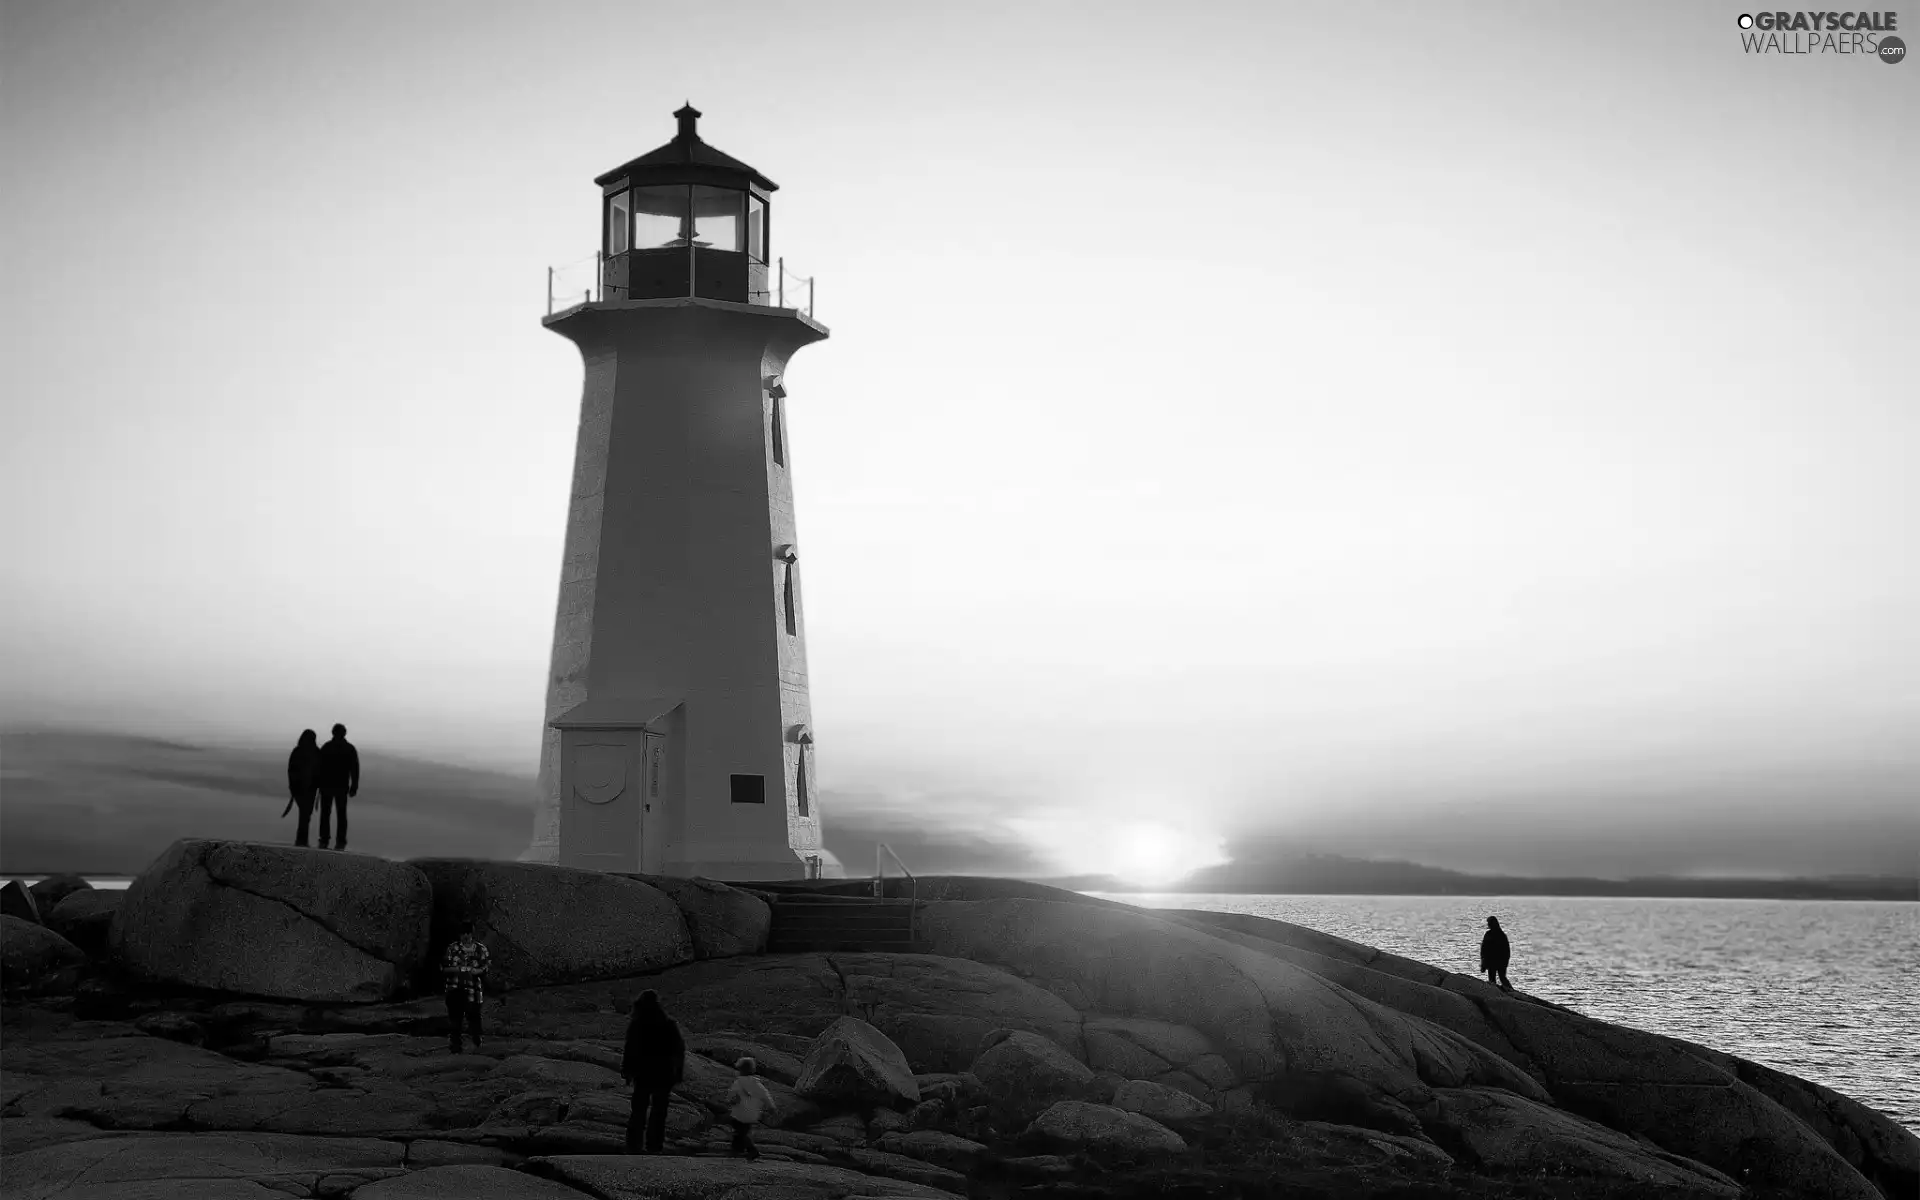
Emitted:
<point x="303" y="767"/>
<point x="654" y="1061"/>
<point x="1495" y="953"/>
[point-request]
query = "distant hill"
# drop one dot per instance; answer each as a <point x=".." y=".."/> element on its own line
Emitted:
<point x="1321" y="874"/>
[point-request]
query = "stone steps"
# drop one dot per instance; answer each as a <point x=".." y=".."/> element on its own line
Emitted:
<point x="848" y="924"/>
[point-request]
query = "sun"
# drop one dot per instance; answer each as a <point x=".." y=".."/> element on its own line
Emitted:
<point x="1150" y="854"/>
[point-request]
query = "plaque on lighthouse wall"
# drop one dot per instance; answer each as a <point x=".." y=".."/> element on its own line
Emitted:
<point x="599" y="772"/>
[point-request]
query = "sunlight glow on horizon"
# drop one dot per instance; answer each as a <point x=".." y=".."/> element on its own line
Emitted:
<point x="1135" y="851"/>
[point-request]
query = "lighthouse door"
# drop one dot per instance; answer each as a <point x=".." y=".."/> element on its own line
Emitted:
<point x="602" y="783"/>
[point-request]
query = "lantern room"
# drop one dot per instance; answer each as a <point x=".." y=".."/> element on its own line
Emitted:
<point x="685" y="220"/>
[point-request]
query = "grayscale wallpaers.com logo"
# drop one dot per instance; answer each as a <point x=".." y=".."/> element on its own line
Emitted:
<point x="1863" y="33"/>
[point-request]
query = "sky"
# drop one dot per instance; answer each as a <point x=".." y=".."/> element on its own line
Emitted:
<point x="1484" y="434"/>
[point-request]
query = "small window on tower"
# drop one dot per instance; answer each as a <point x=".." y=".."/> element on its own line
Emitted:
<point x="793" y="622"/>
<point x="756" y="228"/>
<point x="619" y="223"/>
<point x="800" y="781"/>
<point x="749" y="789"/>
<point x="779" y="434"/>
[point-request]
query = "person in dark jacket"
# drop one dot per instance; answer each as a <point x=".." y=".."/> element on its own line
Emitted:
<point x="303" y="766"/>
<point x="1495" y="953"/>
<point x="654" y="1061"/>
<point x="338" y="778"/>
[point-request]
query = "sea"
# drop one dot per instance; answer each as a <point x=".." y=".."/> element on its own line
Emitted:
<point x="1828" y="990"/>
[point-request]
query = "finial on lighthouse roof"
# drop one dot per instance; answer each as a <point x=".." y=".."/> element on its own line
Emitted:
<point x="686" y="159"/>
<point x="687" y="115"/>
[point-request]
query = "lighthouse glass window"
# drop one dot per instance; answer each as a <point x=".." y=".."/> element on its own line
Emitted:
<point x="619" y="223"/>
<point x="756" y="228"/>
<point x="660" y="216"/>
<point x="719" y="215"/>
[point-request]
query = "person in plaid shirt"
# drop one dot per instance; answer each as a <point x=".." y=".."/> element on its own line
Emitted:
<point x="463" y="971"/>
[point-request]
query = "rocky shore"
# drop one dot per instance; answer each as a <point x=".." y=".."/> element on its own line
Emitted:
<point x="255" y="1021"/>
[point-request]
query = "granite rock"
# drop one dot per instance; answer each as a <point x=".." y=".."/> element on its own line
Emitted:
<point x="278" y="921"/>
<point x="853" y="1064"/>
<point x="721" y="921"/>
<point x="1024" y="1073"/>
<point x="33" y="956"/>
<point x="516" y="910"/>
<point x="50" y="891"/>
<point x="1102" y="1130"/>
<point x="85" y="917"/>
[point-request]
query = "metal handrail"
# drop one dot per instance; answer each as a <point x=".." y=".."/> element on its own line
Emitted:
<point x="880" y="888"/>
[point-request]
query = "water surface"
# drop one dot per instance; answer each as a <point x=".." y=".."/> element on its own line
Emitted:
<point x="1822" y="989"/>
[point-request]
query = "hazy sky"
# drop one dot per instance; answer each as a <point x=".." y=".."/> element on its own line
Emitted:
<point x="1339" y="419"/>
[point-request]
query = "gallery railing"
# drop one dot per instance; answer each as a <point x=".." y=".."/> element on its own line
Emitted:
<point x="584" y="282"/>
<point x="882" y="852"/>
<point x="575" y="284"/>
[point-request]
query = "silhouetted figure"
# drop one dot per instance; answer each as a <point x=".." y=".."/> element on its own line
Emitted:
<point x="463" y="973"/>
<point x="1495" y="953"/>
<point x="747" y="1102"/>
<point x="338" y="778"/>
<point x="654" y="1061"/>
<point x="303" y="768"/>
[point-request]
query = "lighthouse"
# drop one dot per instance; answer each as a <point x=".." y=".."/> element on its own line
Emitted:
<point x="678" y="735"/>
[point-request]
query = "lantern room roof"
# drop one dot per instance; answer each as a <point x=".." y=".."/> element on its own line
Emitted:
<point x="684" y="151"/>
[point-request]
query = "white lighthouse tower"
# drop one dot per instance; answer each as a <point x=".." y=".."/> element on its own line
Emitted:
<point x="677" y="736"/>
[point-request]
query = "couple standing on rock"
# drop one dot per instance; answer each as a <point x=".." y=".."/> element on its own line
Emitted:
<point x="655" y="1062"/>
<point x="332" y="770"/>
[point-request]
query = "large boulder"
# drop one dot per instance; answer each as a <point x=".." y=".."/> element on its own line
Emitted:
<point x="854" y="1065"/>
<point x="1025" y="1073"/>
<point x="546" y="924"/>
<point x="1102" y="1130"/>
<point x="1266" y="1017"/>
<point x="32" y="955"/>
<point x="1401" y="984"/>
<point x="85" y="917"/>
<point x="55" y="888"/>
<point x="1169" y="1106"/>
<point x="16" y="901"/>
<point x="1510" y="1134"/>
<point x="722" y="921"/>
<point x="1678" y="1097"/>
<point x="1874" y="1144"/>
<point x="280" y="921"/>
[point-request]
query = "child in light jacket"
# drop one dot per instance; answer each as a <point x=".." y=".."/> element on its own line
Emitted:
<point x="748" y="1103"/>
